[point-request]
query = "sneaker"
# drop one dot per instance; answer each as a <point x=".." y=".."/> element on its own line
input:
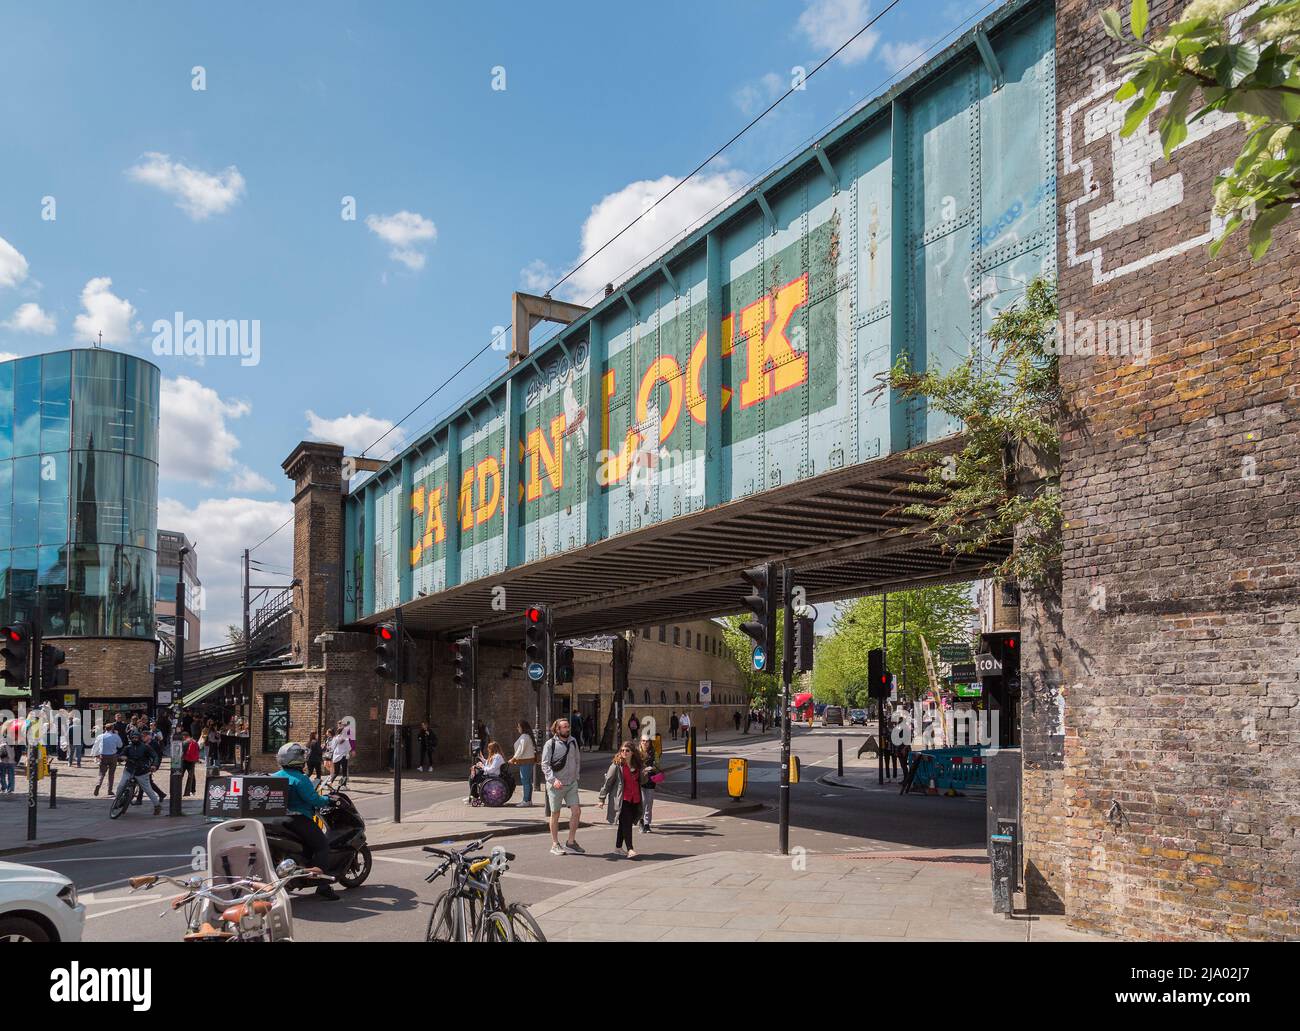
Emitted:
<point x="97" y="787"/>
<point x="631" y="853"/>
<point x="157" y="810"/>
<point x="469" y="799"/>
<point x="573" y="846"/>
<point x="559" y="850"/>
<point x="327" y="893"/>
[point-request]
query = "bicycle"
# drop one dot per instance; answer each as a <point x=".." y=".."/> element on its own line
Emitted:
<point x="474" y="907"/>
<point x="240" y="907"/>
<point x="123" y="796"/>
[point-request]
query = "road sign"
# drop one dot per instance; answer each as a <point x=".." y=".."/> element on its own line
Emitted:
<point x="954" y="653"/>
<point x="760" y="659"/>
<point x="986" y="665"/>
<point x="536" y="671"/>
<point x="396" y="706"/>
<point x="706" y="692"/>
<point x="964" y="673"/>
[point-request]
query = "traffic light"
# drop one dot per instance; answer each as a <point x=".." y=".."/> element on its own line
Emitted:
<point x="536" y="631"/>
<point x="619" y="660"/>
<point x="15" y="649"/>
<point x="462" y="660"/>
<point x="761" y="602"/>
<point x="386" y="651"/>
<point x="51" y="675"/>
<point x="877" y="675"/>
<point x="803" y="644"/>
<point x="563" y="663"/>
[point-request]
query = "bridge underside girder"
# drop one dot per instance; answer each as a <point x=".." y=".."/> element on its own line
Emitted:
<point x="842" y="531"/>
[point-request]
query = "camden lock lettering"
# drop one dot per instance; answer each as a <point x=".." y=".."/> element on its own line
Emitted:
<point x="769" y="358"/>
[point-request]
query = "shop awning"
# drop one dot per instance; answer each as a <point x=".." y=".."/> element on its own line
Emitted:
<point x="13" y="691"/>
<point x="210" y="688"/>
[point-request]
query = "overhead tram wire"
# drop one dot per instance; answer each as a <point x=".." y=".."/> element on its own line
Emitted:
<point x="695" y="171"/>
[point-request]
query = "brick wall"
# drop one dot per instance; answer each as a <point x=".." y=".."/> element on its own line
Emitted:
<point x="1165" y="805"/>
<point x="108" y="667"/>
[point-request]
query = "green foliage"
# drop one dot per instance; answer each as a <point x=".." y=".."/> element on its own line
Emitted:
<point x="763" y="688"/>
<point x="1009" y="407"/>
<point x="941" y="615"/>
<point x="1255" y="77"/>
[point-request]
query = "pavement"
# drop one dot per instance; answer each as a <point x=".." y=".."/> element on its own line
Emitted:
<point x="932" y="895"/>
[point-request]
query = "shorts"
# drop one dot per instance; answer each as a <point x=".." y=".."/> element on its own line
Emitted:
<point x="567" y="795"/>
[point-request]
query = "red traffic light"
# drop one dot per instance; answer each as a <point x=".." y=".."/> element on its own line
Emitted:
<point x="534" y="615"/>
<point x="13" y="633"/>
<point x="384" y="632"/>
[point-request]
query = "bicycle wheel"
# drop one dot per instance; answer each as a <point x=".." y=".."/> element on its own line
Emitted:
<point x="450" y="920"/>
<point x="523" y="924"/>
<point x="120" y="803"/>
<point x="495" y="927"/>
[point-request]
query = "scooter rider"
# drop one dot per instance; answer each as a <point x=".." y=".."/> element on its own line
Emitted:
<point x="304" y="800"/>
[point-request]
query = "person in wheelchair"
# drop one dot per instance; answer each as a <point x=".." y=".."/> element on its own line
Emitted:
<point x="493" y="764"/>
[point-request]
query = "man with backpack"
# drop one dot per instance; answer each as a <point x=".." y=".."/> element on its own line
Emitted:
<point x="561" y="764"/>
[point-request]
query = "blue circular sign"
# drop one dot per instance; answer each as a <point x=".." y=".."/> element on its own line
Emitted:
<point x="536" y="671"/>
<point x="760" y="659"/>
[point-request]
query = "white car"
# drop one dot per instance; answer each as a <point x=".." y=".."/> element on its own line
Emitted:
<point x="38" y="905"/>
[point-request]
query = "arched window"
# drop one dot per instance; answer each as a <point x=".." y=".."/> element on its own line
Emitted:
<point x="663" y="697"/>
<point x="677" y="697"/>
<point x="647" y="696"/>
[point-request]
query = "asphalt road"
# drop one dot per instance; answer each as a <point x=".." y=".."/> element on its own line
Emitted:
<point x="394" y="904"/>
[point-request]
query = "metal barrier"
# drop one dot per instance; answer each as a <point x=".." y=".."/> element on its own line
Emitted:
<point x="951" y="769"/>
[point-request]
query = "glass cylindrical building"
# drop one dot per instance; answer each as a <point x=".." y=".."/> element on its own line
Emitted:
<point x="79" y="493"/>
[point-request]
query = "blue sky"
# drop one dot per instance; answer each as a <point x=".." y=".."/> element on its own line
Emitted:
<point x="226" y="202"/>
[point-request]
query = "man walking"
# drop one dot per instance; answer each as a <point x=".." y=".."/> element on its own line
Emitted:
<point x="561" y="764"/>
<point x="106" y="746"/>
<point x="672" y="725"/>
<point x="684" y="725"/>
<point x="427" y="741"/>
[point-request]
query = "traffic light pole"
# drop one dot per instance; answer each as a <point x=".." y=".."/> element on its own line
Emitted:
<point x="547" y="690"/>
<point x="787" y="674"/>
<point x="33" y="741"/>
<point x="397" y="728"/>
<point x="178" y="653"/>
<point x="880" y="702"/>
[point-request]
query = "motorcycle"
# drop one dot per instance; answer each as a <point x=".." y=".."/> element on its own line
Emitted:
<point x="349" y="858"/>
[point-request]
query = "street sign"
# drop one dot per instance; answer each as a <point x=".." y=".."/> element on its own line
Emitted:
<point x="986" y="665"/>
<point x="396" y="706"/>
<point x="954" y="653"/>
<point x="706" y="692"/>
<point x="536" y="671"/>
<point x="964" y="673"/>
<point x="760" y="659"/>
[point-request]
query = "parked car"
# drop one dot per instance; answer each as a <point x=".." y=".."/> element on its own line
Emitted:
<point x="38" y="905"/>
<point x="858" y="717"/>
<point x="833" y="716"/>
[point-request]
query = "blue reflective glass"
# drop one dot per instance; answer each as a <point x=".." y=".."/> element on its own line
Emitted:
<point x="27" y="406"/>
<point x="6" y="409"/>
<point x="56" y="399"/>
<point x="22" y="584"/>
<point x="27" y="487"/>
<point x="53" y="518"/>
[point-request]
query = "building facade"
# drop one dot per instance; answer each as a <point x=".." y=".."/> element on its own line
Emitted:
<point x="78" y="516"/>
<point x="173" y="569"/>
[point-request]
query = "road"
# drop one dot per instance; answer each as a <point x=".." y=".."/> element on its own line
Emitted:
<point x="393" y="905"/>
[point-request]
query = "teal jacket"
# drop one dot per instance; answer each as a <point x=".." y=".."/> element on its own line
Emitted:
<point x="303" y="797"/>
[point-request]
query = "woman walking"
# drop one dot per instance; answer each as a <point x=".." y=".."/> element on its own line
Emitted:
<point x="315" y="756"/>
<point x="524" y="760"/>
<point x="651" y="775"/>
<point x="622" y="794"/>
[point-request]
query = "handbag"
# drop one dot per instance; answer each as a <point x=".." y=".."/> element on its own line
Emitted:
<point x="656" y="778"/>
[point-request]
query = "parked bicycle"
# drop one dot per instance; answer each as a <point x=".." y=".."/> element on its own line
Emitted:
<point x="224" y="909"/>
<point x="474" y="907"/>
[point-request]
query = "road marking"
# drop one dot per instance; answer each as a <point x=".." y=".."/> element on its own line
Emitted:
<point x="103" y="859"/>
<point x="512" y="875"/>
<point x="123" y="909"/>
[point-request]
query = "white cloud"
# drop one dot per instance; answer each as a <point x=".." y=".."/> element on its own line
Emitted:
<point x="13" y="266"/>
<point x="898" y="56"/>
<point x="198" y="193"/>
<point x="221" y="529"/>
<point x="29" y="318"/>
<point x="754" y="96"/>
<point x="826" y="24"/>
<point x="8" y="356"/>
<point x="250" y="481"/>
<point x="195" y="444"/>
<point x="660" y="228"/>
<point x="105" y="313"/>
<point x="356" y="432"/>
<point x="403" y="230"/>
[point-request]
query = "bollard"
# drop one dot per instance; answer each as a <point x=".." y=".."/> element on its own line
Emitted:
<point x="54" y="788"/>
<point x="31" y="793"/>
<point x="706" y="733"/>
<point x="840" y="743"/>
<point x="694" y="782"/>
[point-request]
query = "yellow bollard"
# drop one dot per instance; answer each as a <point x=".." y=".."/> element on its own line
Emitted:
<point x="659" y="746"/>
<point x="737" y="777"/>
<point x="794" y="769"/>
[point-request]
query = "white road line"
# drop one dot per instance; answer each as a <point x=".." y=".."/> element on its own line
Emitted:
<point x="157" y="902"/>
<point x="105" y="859"/>
<point x="510" y="873"/>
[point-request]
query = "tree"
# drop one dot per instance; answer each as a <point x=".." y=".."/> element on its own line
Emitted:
<point x="1244" y="65"/>
<point x="939" y="614"/>
<point x="1010" y="409"/>
<point x="764" y="689"/>
<point x="234" y="634"/>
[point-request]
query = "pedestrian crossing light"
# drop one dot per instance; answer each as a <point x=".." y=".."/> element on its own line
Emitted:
<point x="878" y="684"/>
<point x="386" y="651"/>
<point x="563" y="664"/>
<point x="803" y="644"/>
<point x="52" y="658"/>
<point x="761" y="627"/>
<point x="15" y="651"/>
